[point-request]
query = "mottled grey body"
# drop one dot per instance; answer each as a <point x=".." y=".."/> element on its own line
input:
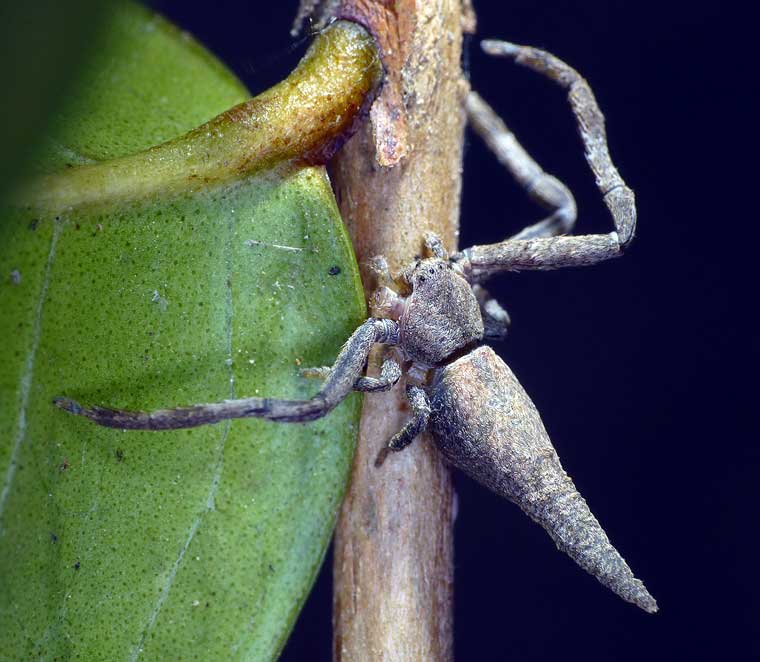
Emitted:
<point x="484" y="423"/>
<point x="481" y="418"/>
<point x="441" y="316"/>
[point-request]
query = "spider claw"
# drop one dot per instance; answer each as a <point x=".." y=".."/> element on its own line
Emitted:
<point x="69" y="405"/>
<point x="321" y="372"/>
<point x="498" y="47"/>
<point x="434" y="246"/>
<point x="378" y="266"/>
<point x="382" y="455"/>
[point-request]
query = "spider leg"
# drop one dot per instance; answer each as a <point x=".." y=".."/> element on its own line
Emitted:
<point x="434" y="246"/>
<point x="385" y="279"/>
<point x="496" y="320"/>
<point x="339" y="383"/>
<point x="414" y="427"/>
<point x="379" y="268"/>
<point x="390" y="373"/>
<point x="480" y="262"/>
<point x="544" y="188"/>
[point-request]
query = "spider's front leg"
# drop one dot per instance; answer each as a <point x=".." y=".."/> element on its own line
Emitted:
<point x="338" y="384"/>
<point x="537" y="251"/>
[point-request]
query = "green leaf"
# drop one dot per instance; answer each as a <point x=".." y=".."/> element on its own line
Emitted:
<point x="197" y="544"/>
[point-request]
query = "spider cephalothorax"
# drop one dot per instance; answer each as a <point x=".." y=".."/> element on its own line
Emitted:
<point x="433" y="318"/>
<point x="441" y="315"/>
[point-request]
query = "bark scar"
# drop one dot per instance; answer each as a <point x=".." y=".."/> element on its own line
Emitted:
<point x="391" y="23"/>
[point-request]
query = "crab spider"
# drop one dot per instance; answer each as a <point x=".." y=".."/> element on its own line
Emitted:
<point x="434" y="317"/>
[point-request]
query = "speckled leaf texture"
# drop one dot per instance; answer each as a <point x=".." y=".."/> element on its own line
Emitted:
<point x="192" y="545"/>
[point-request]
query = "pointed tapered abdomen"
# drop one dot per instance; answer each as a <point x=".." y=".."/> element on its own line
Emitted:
<point x="485" y="424"/>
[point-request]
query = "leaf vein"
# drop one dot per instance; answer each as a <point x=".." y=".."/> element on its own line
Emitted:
<point x="28" y="375"/>
<point x="217" y="478"/>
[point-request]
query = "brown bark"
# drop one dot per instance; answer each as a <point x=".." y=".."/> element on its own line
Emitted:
<point x="394" y="547"/>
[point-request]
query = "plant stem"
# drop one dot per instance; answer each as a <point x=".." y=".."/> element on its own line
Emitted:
<point x="393" y="594"/>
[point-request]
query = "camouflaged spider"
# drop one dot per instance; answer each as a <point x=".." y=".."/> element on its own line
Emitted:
<point x="434" y="317"/>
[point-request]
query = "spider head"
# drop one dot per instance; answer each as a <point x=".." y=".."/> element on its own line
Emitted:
<point x="425" y="273"/>
<point x="441" y="315"/>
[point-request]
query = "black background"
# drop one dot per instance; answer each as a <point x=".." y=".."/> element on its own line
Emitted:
<point x="642" y="368"/>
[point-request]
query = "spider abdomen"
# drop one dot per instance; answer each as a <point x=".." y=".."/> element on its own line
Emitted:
<point x="485" y="424"/>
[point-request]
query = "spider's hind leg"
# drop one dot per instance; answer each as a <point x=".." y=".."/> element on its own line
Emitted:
<point x="496" y="319"/>
<point x="545" y="189"/>
<point x="414" y="427"/>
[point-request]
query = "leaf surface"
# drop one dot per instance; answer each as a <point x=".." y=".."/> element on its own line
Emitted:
<point x="198" y="544"/>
